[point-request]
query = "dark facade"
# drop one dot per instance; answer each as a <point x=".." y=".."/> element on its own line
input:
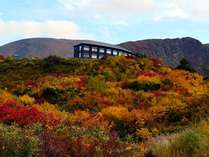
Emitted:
<point x="99" y="50"/>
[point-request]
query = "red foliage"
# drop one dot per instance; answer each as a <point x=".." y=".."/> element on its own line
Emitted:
<point x="112" y="147"/>
<point x="82" y="83"/>
<point x="183" y="91"/>
<point x="31" y="84"/>
<point x="157" y="93"/>
<point x="53" y="120"/>
<point x="22" y="115"/>
<point x="62" y="146"/>
<point x="148" y="73"/>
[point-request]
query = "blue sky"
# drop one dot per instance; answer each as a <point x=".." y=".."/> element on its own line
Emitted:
<point x="111" y="21"/>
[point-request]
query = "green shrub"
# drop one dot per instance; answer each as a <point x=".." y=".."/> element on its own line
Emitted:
<point x="53" y="95"/>
<point x="136" y="86"/>
<point x="174" y="117"/>
<point x="95" y="84"/>
<point x="189" y="143"/>
<point x="193" y="142"/>
<point x="72" y="92"/>
<point x="185" y="65"/>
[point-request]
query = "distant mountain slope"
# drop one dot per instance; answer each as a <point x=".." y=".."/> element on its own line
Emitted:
<point x="43" y="47"/>
<point x="39" y="47"/>
<point x="171" y="51"/>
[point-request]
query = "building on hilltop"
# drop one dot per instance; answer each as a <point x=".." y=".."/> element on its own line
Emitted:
<point x="97" y="50"/>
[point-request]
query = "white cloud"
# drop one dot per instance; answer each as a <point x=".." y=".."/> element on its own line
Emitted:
<point x="108" y="8"/>
<point x="28" y="29"/>
<point x="138" y="9"/>
<point x="196" y="10"/>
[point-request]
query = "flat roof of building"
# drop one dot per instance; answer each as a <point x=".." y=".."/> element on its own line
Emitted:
<point x="106" y="45"/>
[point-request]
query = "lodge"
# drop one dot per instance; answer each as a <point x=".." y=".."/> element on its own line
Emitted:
<point x="97" y="50"/>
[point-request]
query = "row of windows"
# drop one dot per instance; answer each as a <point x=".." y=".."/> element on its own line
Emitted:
<point x="94" y="55"/>
<point x="101" y="50"/>
<point x="87" y="55"/>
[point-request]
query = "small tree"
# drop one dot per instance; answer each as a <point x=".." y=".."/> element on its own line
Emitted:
<point x="185" y="65"/>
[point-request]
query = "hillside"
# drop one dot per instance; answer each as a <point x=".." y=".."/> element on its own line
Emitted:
<point x="113" y="107"/>
<point x="171" y="51"/>
<point x="42" y="47"/>
<point x="39" y="47"/>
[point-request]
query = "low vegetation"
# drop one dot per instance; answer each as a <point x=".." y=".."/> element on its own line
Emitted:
<point x="113" y="107"/>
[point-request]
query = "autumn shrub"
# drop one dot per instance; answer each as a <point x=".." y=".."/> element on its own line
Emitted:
<point x="112" y="148"/>
<point x="94" y="84"/>
<point x="169" y="109"/>
<point x="26" y="100"/>
<point x="136" y="86"/>
<point x="52" y="64"/>
<point x="53" y="116"/>
<point x="122" y="119"/>
<point x="167" y="84"/>
<point x="22" y="115"/>
<point x="54" y="145"/>
<point x="76" y="131"/>
<point x="53" y="95"/>
<point x="198" y="108"/>
<point x="72" y="92"/>
<point x="6" y="96"/>
<point x="18" y="142"/>
<point x="144" y="134"/>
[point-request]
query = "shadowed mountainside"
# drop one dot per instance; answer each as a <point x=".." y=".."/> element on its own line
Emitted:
<point x="171" y="51"/>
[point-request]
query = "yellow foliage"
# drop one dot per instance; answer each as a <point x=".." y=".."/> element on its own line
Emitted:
<point x="144" y="133"/>
<point x="79" y="116"/>
<point x="170" y="102"/>
<point x="26" y="100"/>
<point x="154" y="79"/>
<point x="61" y="82"/>
<point x="204" y="127"/>
<point x="50" y="109"/>
<point x="155" y="132"/>
<point x="5" y="96"/>
<point x="193" y="82"/>
<point x="117" y="113"/>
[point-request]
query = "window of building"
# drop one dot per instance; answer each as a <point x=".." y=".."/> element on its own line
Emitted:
<point x="80" y="55"/>
<point x="101" y="50"/>
<point x="94" y="49"/>
<point x="86" y="48"/>
<point x="80" y="48"/>
<point x="86" y="55"/>
<point x="115" y="52"/>
<point x="109" y="51"/>
<point x="120" y="53"/>
<point x="94" y="56"/>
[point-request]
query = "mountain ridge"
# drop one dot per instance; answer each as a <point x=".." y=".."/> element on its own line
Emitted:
<point x="171" y="51"/>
